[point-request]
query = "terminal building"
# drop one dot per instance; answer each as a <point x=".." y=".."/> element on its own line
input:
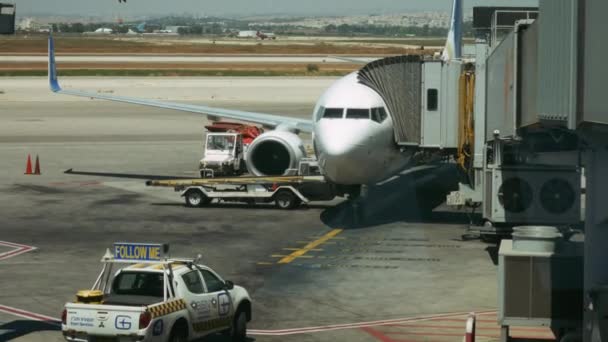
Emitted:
<point x="7" y="18"/>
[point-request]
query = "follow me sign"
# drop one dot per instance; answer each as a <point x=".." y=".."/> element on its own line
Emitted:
<point x="138" y="251"/>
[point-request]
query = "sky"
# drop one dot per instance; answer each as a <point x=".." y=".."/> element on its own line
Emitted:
<point x="104" y="8"/>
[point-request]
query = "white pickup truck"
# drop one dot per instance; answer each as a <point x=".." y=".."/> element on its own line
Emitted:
<point x="156" y="300"/>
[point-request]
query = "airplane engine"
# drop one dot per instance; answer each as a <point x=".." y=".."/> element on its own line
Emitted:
<point x="274" y="153"/>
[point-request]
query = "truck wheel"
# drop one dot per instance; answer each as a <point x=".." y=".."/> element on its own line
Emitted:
<point x="196" y="198"/>
<point x="238" y="333"/>
<point x="285" y="199"/>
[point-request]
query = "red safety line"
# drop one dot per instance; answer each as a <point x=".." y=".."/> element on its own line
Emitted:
<point x="378" y="335"/>
<point x="13" y="253"/>
<point x="19" y="249"/>
<point x="422" y="326"/>
<point x="28" y="314"/>
<point x="352" y="325"/>
<point x="12" y="244"/>
<point x="422" y="333"/>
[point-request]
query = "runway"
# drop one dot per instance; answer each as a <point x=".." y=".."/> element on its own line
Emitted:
<point x="312" y="274"/>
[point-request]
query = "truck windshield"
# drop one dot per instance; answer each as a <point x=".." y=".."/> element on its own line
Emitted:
<point x="138" y="284"/>
<point x="220" y="143"/>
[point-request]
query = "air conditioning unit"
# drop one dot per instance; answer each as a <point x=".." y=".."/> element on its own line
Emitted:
<point x="533" y="195"/>
<point x="540" y="288"/>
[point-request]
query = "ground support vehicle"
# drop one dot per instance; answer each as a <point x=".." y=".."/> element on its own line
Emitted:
<point x="287" y="192"/>
<point x="155" y="298"/>
<point x="225" y="147"/>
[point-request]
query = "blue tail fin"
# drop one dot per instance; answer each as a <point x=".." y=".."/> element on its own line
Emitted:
<point x="53" y="83"/>
<point x="453" y="45"/>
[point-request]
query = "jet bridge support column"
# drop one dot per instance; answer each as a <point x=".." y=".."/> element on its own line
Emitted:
<point x="595" y="326"/>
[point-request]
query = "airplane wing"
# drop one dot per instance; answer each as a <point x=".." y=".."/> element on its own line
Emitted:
<point x="267" y="120"/>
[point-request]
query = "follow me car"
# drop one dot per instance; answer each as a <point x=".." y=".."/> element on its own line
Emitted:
<point x="155" y="298"/>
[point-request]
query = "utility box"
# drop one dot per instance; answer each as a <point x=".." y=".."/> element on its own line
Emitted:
<point x="540" y="288"/>
<point x="7" y="18"/>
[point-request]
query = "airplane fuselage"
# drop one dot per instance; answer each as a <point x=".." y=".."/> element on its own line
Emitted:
<point x="353" y="135"/>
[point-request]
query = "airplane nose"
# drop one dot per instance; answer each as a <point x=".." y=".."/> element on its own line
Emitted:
<point x="343" y="148"/>
<point x="338" y="138"/>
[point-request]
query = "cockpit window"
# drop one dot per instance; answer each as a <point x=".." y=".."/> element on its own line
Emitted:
<point x="379" y="114"/>
<point x="319" y="113"/>
<point x="333" y="113"/>
<point x="353" y="113"/>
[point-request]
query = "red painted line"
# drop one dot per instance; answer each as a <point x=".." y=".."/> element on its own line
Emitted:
<point x="89" y="183"/>
<point x="14" y="253"/>
<point x="19" y="249"/>
<point x="377" y="335"/>
<point x="422" y="326"/>
<point x="463" y="320"/>
<point x="12" y="244"/>
<point x="425" y="326"/>
<point x="528" y="337"/>
<point x="422" y="333"/>
<point x="28" y="314"/>
<point x="282" y="332"/>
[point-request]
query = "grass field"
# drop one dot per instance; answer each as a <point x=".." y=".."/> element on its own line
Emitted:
<point x="173" y="72"/>
<point x="122" y="45"/>
<point x="179" y="69"/>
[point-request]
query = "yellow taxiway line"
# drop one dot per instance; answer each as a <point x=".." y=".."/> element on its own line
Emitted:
<point x="300" y="252"/>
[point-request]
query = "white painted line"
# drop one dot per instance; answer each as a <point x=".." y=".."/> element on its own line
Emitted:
<point x="29" y="315"/>
<point x="282" y="332"/>
<point x="18" y="249"/>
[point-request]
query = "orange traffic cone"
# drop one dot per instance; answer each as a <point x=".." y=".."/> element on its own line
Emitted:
<point x="28" y="167"/>
<point x="37" y="167"/>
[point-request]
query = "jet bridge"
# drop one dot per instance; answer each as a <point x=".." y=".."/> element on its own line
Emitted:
<point x="422" y="96"/>
<point x="542" y="119"/>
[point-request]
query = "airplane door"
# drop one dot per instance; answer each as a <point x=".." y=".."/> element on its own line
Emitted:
<point x="431" y="104"/>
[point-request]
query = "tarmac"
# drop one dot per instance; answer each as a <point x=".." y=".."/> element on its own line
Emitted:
<point x="396" y="274"/>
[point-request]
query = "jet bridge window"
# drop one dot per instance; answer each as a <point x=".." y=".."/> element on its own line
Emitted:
<point x="333" y="113"/>
<point x="353" y="113"/>
<point x="432" y="99"/>
<point x="379" y="114"/>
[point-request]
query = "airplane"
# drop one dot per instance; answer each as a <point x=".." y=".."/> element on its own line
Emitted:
<point x="262" y="36"/>
<point x="352" y="129"/>
<point x="141" y="28"/>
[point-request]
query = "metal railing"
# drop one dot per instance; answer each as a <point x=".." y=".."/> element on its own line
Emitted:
<point x="500" y="30"/>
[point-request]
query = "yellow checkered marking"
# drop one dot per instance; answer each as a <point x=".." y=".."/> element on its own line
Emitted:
<point x="167" y="308"/>
<point x="212" y="324"/>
